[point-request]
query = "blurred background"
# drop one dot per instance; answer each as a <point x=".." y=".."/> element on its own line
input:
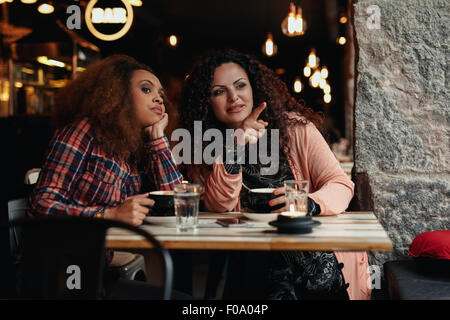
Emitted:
<point x="44" y="44"/>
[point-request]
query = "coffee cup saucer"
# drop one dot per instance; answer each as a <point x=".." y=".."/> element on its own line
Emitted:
<point x="263" y="217"/>
<point x="160" y="219"/>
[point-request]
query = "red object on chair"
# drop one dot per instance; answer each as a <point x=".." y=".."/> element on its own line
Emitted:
<point x="431" y="244"/>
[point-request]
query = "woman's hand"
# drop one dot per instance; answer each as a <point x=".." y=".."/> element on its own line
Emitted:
<point x="157" y="130"/>
<point x="278" y="200"/>
<point x="132" y="211"/>
<point x="252" y="128"/>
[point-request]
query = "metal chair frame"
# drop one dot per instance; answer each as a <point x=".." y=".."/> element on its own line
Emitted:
<point x="103" y="225"/>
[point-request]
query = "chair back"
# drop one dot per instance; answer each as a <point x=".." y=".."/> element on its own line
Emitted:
<point x="64" y="257"/>
<point x="16" y="210"/>
<point x="32" y="175"/>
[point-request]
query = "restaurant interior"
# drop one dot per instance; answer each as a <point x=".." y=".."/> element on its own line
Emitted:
<point x="309" y="44"/>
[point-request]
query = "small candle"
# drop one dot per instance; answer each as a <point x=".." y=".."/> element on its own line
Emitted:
<point x="293" y="213"/>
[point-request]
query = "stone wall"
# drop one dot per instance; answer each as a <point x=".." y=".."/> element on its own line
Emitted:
<point x="402" y="117"/>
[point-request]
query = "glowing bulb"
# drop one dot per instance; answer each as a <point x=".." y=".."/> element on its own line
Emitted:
<point x="315" y="79"/>
<point x="327" y="89"/>
<point x="269" y="48"/>
<point x="300" y="24"/>
<point x="327" y="98"/>
<point x="297" y="85"/>
<point x="322" y="83"/>
<point x="288" y="24"/>
<point x="342" y="40"/>
<point x="28" y="1"/>
<point x="312" y="59"/>
<point x="50" y="62"/>
<point x="324" y="73"/>
<point x="306" y="71"/>
<point x="173" y="40"/>
<point x="46" y="8"/>
<point x="294" y="24"/>
<point x="343" y="19"/>
<point x="291" y="23"/>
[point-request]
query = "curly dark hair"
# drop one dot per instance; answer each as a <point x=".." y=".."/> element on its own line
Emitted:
<point x="266" y="85"/>
<point x="102" y="94"/>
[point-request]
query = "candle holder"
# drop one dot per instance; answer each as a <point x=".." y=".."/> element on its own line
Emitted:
<point x="294" y="224"/>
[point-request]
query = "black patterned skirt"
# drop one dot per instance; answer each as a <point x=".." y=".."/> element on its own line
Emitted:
<point x="298" y="275"/>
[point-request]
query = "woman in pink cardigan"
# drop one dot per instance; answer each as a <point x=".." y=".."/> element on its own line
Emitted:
<point x="230" y="90"/>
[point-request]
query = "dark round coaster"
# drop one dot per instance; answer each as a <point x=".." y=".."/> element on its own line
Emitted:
<point x="294" y="225"/>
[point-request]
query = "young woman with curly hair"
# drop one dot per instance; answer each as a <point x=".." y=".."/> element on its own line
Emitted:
<point x="109" y="148"/>
<point x="230" y="90"/>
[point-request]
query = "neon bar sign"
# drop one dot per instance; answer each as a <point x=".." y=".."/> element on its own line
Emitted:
<point x="96" y="15"/>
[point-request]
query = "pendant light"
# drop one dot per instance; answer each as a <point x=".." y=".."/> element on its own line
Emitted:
<point x="288" y="24"/>
<point x="313" y="60"/>
<point x="269" y="47"/>
<point x="294" y="24"/>
<point x="46" y="8"/>
<point x="300" y="23"/>
<point x="298" y="85"/>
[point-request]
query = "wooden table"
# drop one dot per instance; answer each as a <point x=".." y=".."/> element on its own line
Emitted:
<point x="349" y="231"/>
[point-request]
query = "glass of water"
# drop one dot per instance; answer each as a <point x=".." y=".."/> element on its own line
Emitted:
<point x="186" y="200"/>
<point x="296" y="197"/>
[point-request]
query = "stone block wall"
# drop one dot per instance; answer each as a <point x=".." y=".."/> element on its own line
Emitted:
<point x="402" y="117"/>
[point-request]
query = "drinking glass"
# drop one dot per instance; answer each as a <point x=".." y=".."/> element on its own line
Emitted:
<point x="186" y="201"/>
<point x="296" y="197"/>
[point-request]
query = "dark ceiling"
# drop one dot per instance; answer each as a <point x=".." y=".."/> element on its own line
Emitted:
<point x="208" y="24"/>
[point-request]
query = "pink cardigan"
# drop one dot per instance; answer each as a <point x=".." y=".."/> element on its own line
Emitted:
<point x="310" y="159"/>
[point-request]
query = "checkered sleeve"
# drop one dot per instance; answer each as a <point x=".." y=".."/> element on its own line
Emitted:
<point x="64" y="164"/>
<point x="163" y="169"/>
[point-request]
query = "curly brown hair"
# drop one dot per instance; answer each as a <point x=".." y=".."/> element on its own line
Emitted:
<point x="266" y="85"/>
<point x="102" y="94"/>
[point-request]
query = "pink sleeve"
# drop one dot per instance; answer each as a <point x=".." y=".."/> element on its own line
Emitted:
<point x="222" y="189"/>
<point x="333" y="188"/>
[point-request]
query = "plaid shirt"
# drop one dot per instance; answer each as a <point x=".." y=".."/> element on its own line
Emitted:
<point x="78" y="178"/>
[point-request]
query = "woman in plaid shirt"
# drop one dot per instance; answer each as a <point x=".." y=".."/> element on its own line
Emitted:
<point x="109" y="150"/>
<point x="110" y="147"/>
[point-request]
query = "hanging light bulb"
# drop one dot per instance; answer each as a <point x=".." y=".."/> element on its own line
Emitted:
<point x="327" y="89"/>
<point x="300" y="23"/>
<point x="324" y="72"/>
<point x="341" y="40"/>
<point x="298" y="85"/>
<point x="269" y="48"/>
<point x="307" y="71"/>
<point x="173" y="40"/>
<point x="46" y="8"/>
<point x="327" y="98"/>
<point x="3" y="1"/>
<point x="313" y="60"/>
<point x="28" y="1"/>
<point x="315" y="79"/>
<point x="288" y="24"/>
<point x="322" y="83"/>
